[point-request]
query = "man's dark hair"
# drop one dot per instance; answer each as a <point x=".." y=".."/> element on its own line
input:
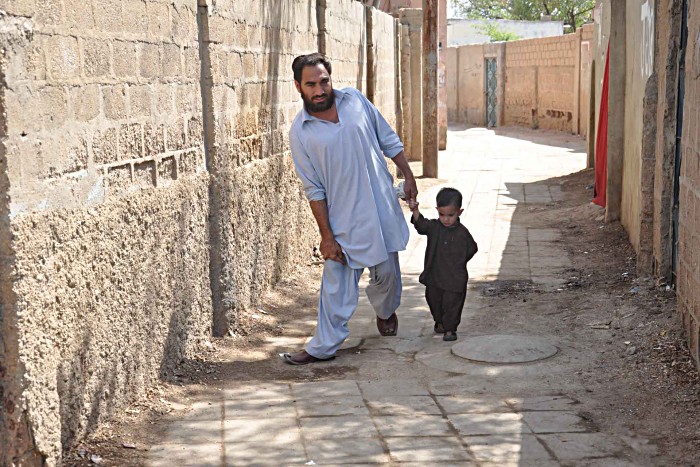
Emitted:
<point x="449" y="197"/>
<point x="309" y="60"/>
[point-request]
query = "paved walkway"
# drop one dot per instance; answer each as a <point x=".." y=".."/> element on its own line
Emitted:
<point x="409" y="399"/>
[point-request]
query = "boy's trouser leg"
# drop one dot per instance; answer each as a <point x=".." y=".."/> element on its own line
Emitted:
<point x="433" y="295"/>
<point x="337" y="303"/>
<point x="452" y="304"/>
<point x="384" y="289"/>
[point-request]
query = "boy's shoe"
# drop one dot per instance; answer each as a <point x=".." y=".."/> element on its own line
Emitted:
<point x="439" y="328"/>
<point x="450" y="336"/>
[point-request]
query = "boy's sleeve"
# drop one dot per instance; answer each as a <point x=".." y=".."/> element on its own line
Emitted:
<point x="421" y="224"/>
<point x="472" y="248"/>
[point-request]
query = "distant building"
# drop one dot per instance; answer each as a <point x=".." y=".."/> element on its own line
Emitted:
<point x="473" y="31"/>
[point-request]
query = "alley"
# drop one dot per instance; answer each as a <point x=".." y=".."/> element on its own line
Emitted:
<point x="413" y="399"/>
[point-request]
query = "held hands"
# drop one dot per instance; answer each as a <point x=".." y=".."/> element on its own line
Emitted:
<point x="412" y="204"/>
<point x="410" y="189"/>
<point x="331" y="250"/>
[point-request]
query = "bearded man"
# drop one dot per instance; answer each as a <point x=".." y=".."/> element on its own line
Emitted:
<point x="339" y="142"/>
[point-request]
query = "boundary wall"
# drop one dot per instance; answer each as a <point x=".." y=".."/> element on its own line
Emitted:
<point x="148" y="194"/>
<point x="541" y="82"/>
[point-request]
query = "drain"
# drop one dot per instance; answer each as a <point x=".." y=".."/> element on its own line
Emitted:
<point x="504" y="348"/>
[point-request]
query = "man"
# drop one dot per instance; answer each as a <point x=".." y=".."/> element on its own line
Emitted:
<point x="337" y="141"/>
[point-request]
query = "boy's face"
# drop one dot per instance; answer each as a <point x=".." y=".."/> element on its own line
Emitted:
<point x="448" y="215"/>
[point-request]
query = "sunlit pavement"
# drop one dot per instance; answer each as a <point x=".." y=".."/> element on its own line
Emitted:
<point x="409" y="399"/>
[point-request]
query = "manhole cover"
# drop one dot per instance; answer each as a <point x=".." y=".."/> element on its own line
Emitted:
<point x="503" y="348"/>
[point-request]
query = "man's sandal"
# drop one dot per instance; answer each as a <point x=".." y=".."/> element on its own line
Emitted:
<point x="303" y="358"/>
<point x="389" y="326"/>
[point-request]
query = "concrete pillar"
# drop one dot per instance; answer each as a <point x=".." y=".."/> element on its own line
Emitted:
<point x="616" y="109"/>
<point x="413" y="19"/>
<point x="406" y="87"/>
<point x="442" y="82"/>
<point x="575" y="128"/>
<point x="430" y="88"/>
<point x="590" y="132"/>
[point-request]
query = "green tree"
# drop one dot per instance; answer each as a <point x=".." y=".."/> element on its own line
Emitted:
<point x="573" y="13"/>
<point x="497" y="34"/>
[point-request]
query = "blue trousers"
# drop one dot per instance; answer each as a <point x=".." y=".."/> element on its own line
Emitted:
<point x="338" y="300"/>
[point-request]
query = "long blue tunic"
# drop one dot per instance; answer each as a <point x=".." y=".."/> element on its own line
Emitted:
<point x="343" y="164"/>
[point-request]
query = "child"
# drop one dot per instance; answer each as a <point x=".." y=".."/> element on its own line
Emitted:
<point x="450" y="246"/>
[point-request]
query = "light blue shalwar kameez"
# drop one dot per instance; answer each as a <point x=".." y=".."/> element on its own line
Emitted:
<point x="343" y="164"/>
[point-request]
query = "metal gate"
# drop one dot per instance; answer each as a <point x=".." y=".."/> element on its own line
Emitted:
<point x="679" y="134"/>
<point x="491" y="92"/>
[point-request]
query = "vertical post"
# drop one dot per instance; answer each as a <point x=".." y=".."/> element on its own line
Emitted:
<point x="616" y="110"/>
<point x="430" y="88"/>
<point x="442" y="78"/>
<point x="371" y="78"/>
<point x="321" y="23"/>
<point x="406" y="110"/>
<point x="575" y="121"/>
<point x="590" y="132"/>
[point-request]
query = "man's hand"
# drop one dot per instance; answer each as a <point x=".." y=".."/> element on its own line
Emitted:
<point x="410" y="188"/>
<point x="331" y="250"/>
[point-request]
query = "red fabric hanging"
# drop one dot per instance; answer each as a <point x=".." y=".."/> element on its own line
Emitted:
<point x="601" y="143"/>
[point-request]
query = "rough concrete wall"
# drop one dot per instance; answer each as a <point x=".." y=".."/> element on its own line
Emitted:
<point x="452" y="85"/>
<point x="472" y="101"/>
<point x="108" y="208"/>
<point x="347" y="42"/>
<point x="639" y="67"/>
<point x="263" y="221"/>
<point x="688" y="286"/>
<point x="668" y="25"/>
<point x="471" y="31"/>
<point x="540" y="82"/>
<point x="602" y="37"/>
<point x="386" y="67"/>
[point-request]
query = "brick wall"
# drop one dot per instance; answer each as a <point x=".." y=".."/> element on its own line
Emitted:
<point x="688" y="285"/>
<point x="386" y="67"/>
<point x="541" y="86"/>
<point x="149" y="190"/>
<point x="544" y="87"/>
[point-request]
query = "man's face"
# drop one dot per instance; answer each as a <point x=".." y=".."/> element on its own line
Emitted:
<point x="315" y="88"/>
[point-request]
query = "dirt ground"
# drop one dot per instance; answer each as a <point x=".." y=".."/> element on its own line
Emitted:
<point x="643" y="373"/>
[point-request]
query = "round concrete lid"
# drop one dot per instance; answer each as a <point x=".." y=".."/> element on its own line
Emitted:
<point x="503" y="348"/>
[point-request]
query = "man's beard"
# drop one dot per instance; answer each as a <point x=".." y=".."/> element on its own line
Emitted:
<point x="312" y="106"/>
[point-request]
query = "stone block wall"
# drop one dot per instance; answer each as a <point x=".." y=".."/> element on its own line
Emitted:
<point x="346" y="42"/>
<point x="264" y="223"/>
<point x="148" y="190"/>
<point x="688" y="276"/>
<point x="105" y="264"/>
<point x="386" y="66"/>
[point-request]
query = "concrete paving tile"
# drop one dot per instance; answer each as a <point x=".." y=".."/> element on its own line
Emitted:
<point x="540" y="403"/>
<point x="603" y="462"/>
<point x="513" y="447"/>
<point x="324" y="390"/>
<point x="521" y="463"/>
<point x="489" y="424"/>
<point x="400" y="387"/>
<point x="193" y="432"/>
<point x="422" y="425"/>
<point x="343" y="426"/>
<point x="543" y="235"/>
<point x="186" y="455"/>
<point x="257" y="453"/>
<point x="580" y="446"/>
<point x="259" y="408"/>
<point x="258" y="391"/>
<point x="205" y="411"/>
<point x="472" y="404"/>
<point x="427" y="450"/>
<point x="274" y="431"/>
<point x="343" y="405"/>
<point x="403" y="405"/>
<point x="346" y="451"/>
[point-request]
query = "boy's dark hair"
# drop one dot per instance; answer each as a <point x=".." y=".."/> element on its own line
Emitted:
<point x="309" y="60"/>
<point x="449" y="197"/>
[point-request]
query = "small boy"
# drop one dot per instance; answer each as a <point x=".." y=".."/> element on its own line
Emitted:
<point x="450" y="246"/>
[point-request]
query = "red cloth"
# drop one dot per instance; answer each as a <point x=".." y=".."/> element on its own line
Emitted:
<point x="601" y="143"/>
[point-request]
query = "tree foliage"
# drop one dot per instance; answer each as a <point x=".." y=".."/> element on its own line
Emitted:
<point x="496" y="34"/>
<point x="572" y="12"/>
